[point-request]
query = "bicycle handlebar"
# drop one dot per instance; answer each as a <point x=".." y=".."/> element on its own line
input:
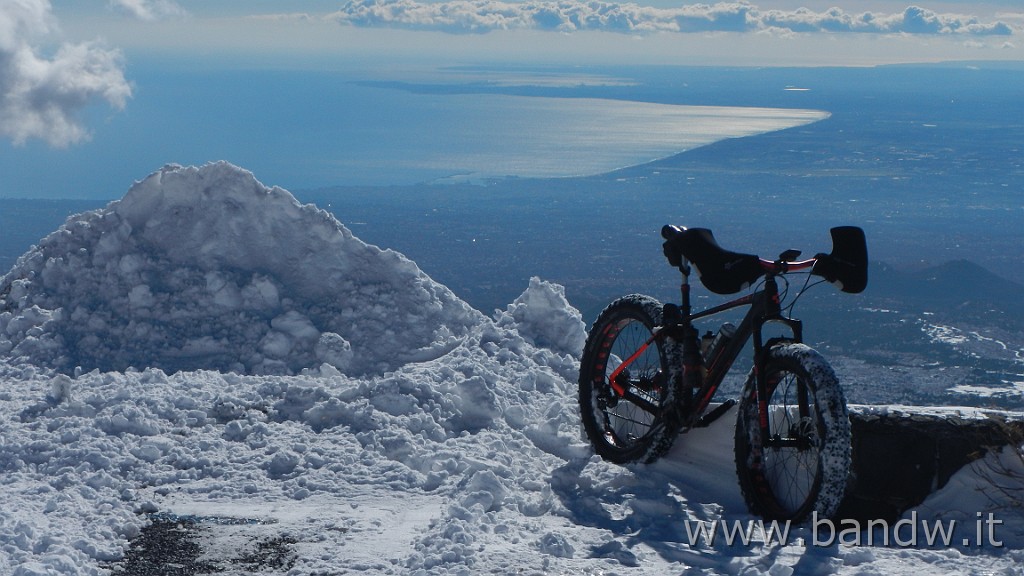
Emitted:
<point x="726" y="272"/>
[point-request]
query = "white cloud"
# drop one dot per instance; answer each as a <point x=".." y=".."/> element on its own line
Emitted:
<point x="478" y="16"/>
<point x="916" y="20"/>
<point x="40" y="96"/>
<point x="149" y="10"/>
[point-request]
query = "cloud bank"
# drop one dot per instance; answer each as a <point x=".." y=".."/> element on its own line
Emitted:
<point x="480" y="16"/>
<point x="41" y="96"/>
<point x="148" y="10"/>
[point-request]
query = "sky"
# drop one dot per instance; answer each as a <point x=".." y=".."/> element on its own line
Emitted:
<point x="70" y="70"/>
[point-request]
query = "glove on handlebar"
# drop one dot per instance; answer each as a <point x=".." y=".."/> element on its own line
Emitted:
<point x="847" y="265"/>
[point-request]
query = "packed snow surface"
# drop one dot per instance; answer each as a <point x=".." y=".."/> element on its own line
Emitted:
<point x="208" y="346"/>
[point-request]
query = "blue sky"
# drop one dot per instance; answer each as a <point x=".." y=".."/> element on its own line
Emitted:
<point x="72" y="71"/>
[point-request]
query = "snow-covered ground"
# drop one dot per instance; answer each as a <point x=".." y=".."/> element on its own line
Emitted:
<point x="208" y="346"/>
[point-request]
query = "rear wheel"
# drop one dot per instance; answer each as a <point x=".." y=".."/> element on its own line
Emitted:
<point x="627" y="421"/>
<point x="802" y="466"/>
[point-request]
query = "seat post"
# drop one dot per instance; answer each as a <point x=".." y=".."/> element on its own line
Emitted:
<point x="684" y="288"/>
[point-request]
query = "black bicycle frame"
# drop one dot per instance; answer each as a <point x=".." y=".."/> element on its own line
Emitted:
<point x="701" y="382"/>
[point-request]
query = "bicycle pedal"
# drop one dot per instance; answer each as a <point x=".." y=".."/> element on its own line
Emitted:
<point x="716" y="413"/>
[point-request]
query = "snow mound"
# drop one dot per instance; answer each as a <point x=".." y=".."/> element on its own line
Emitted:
<point x="544" y="317"/>
<point x="207" y="268"/>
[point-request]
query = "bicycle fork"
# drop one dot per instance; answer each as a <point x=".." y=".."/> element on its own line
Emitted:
<point x="770" y="312"/>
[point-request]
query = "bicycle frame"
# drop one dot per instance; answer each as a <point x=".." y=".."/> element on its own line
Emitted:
<point x="701" y="382"/>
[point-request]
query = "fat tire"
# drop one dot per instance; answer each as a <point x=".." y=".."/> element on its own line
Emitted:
<point x="786" y="483"/>
<point x="619" y="430"/>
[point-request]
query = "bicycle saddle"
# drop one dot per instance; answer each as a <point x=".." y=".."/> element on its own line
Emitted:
<point x="721" y="271"/>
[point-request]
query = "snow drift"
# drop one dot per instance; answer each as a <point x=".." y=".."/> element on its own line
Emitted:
<point x="208" y="268"/>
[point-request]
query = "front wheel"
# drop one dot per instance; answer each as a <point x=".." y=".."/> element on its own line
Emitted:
<point x="630" y="419"/>
<point x="802" y="465"/>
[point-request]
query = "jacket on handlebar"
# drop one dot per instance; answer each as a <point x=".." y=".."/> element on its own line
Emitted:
<point x="721" y="271"/>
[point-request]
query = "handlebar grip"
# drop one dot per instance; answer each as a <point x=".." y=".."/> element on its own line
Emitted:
<point x="671" y="248"/>
<point x="669" y="231"/>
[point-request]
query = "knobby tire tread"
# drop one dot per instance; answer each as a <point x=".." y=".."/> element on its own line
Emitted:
<point x="833" y="427"/>
<point x="628" y="312"/>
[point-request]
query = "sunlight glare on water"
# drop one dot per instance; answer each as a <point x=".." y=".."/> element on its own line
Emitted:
<point x="481" y="135"/>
